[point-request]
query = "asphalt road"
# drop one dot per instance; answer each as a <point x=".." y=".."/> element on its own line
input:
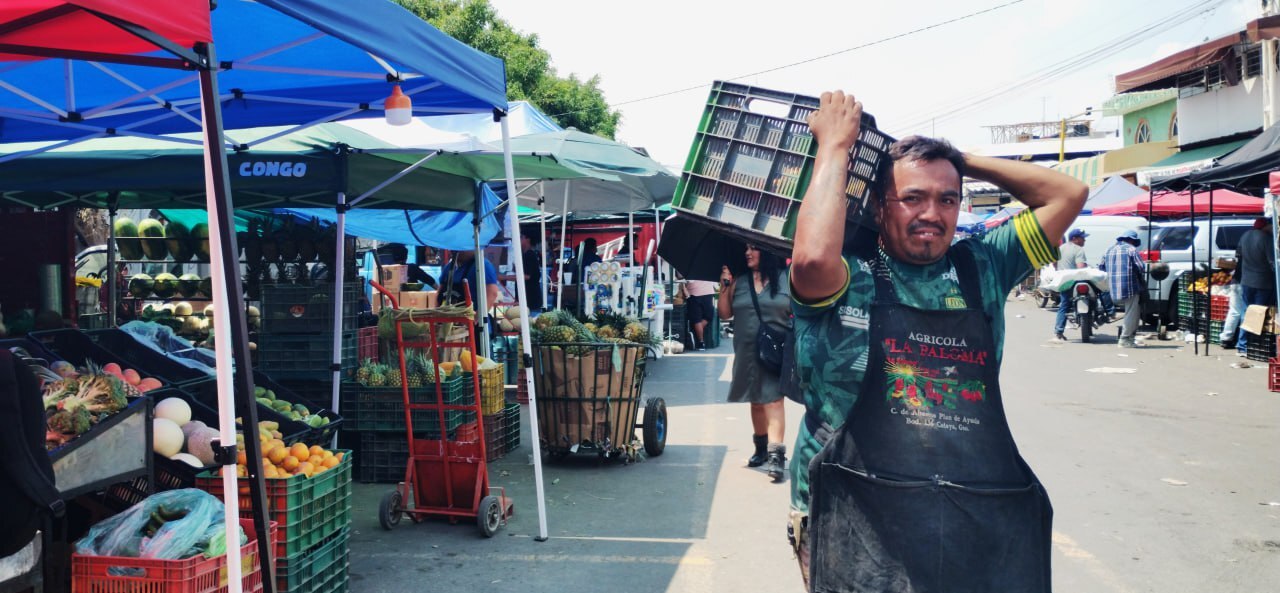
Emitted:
<point x="1163" y="480"/>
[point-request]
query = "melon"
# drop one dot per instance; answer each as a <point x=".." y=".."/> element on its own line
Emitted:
<point x="175" y="409"/>
<point x="127" y="242"/>
<point x="177" y="239"/>
<point x="189" y="285"/>
<point x="200" y="240"/>
<point x="166" y="437"/>
<point x="152" y="233"/>
<point x="206" y="286"/>
<point x="188" y="459"/>
<point x="141" y="285"/>
<point x="182" y="309"/>
<point x="166" y="285"/>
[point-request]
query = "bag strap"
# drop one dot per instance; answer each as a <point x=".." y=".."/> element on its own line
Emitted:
<point x="755" y="301"/>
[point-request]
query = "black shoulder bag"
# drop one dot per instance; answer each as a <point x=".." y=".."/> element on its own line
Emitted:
<point x="776" y="351"/>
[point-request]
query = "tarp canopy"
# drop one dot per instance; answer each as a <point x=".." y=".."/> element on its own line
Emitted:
<point x="523" y="119"/>
<point x="1186" y="162"/>
<point x="644" y="182"/>
<point x="1180" y="204"/>
<point x="1255" y="158"/>
<point x="1114" y="190"/>
<point x="284" y="62"/>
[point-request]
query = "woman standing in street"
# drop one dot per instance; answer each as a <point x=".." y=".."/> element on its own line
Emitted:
<point x="762" y="295"/>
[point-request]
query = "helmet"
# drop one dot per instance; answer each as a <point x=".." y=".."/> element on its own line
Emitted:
<point x="1129" y="235"/>
<point x="1077" y="233"/>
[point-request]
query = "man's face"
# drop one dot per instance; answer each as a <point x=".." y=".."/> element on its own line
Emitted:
<point x="1078" y="241"/>
<point x="918" y="217"/>
<point x="525" y="242"/>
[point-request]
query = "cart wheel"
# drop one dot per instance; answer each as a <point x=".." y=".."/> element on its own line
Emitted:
<point x="389" y="510"/>
<point x="655" y="426"/>
<point x="489" y="517"/>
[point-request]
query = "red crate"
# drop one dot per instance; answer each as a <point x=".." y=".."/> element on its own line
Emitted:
<point x="1218" y="307"/>
<point x="107" y="574"/>
<point x="1273" y="375"/>
<point x="366" y="344"/>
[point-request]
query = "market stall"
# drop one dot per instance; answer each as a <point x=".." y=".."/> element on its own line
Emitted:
<point x="151" y="55"/>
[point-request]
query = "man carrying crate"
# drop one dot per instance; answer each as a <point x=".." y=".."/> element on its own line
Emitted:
<point x="905" y="476"/>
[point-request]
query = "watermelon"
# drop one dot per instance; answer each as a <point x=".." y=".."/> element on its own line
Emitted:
<point x="127" y="242"/>
<point x="166" y="285"/>
<point x="189" y="285"/>
<point x="200" y="240"/>
<point x="141" y="285"/>
<point x="152" y="233"/>
<point x="178" y="241"/>
<point x="206" y="286"/>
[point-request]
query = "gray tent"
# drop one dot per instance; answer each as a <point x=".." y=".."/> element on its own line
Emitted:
<point x="1114" y="190"/>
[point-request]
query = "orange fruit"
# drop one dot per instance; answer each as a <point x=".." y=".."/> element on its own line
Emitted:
<point x="300" y="451"/>
<point x="241" y="459"/>
<point x="278" y="454"/>
<point x="270" y="472"/>
<point x="315" y="460"/>
<point x="316" y="450"/>
<point x="340" y="455"/>
<point x="330" y="461"/>
<point x="290" y="463"/>
<point x="320" y="469"/>
<point x="327" y="454"/>
<point x="306" y="468"/>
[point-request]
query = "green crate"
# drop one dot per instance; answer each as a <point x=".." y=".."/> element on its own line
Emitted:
<point x="749" y="170"/>
<point x="306" y="510"/>
<point x="381" y="409"/>
<point x="511" y="427"/>
<point x="307" y="309"/>
<point x="323" y="569"/>
<point x="292" y="357"/>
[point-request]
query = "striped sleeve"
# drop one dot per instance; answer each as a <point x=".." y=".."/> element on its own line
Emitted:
<point x="803" y="308"/>
<point x="1034" y="242"/>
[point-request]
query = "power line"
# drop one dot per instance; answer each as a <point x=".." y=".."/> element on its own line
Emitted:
<point x="816" y="58"/>
<point x="1062" y="68"/>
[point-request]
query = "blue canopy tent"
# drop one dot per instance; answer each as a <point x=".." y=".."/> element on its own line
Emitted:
<point x="73" y="70"/>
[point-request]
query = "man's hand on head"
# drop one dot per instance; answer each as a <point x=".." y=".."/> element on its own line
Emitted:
<point x="837" y="121"/>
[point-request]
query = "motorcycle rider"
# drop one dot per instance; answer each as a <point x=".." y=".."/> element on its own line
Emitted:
<point x="1071" y="257"/>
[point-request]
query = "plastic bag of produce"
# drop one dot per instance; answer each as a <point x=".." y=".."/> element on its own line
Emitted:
<point x="169" y="526"/>
<point x="162" y="339"/>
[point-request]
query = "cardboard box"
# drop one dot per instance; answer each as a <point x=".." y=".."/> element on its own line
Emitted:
<point x="393" y="276"/>
<point x="1259" y="319"/>
<point x="421" y="299"/>
<point x="375" y="305"/>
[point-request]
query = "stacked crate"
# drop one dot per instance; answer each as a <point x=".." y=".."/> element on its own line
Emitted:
<point x="375" y="420"/>
<point x="313" y="523"/>
<point x="296" y="341"/>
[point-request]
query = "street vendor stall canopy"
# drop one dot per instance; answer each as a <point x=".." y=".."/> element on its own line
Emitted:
<point x="1183" y="204"/>
<point x="281" y="61"/>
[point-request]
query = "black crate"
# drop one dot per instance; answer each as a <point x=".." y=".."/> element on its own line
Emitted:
<point x="294" y="357"/>
<point x="79" y="349"/>
<point x="166" y="367"/>
<point x="383" y="456"/>
<point x="318" y="393"/>
<point x="206" y="393"/>
<point x="1261" y="348"/>
<point x="511" y="427"/>
<point x="749" y="170"/>
<point x="381" y="409"/>
<point x="307" y="309"/>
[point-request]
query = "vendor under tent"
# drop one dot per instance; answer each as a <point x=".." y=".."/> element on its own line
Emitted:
<point x="1185" y="203"/>
<point x="135" y="69"/>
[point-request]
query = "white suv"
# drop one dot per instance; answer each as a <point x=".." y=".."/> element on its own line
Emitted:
<point x="1170" y="257"/>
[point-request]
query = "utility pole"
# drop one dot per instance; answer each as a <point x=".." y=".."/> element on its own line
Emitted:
<point x="1270" y="107"/>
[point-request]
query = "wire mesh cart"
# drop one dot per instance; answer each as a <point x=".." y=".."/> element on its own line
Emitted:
<point x="589" y="399"/>
<point x="447" y="474"/>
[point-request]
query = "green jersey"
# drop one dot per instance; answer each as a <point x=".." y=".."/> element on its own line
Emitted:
<point x="832" y="336"/>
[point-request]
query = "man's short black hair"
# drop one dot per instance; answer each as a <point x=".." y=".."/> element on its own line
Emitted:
<point x="916" y="148"/>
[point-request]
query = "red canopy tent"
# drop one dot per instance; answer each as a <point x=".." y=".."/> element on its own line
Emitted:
<point x="1180" y="204"/>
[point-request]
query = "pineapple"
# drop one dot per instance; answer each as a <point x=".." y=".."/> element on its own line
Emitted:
<point x="591" y="327"/>
<point x="362" y="373"/>
<point x="393" y="377"/>
<point x="427" y="369"/>
<point x="636" y="332"/>
<point x="377" y="378"/>
<point x="607" y="332"/>
<point x="558" y="333"/>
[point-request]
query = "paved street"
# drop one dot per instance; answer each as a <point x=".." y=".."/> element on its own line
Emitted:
<point x="1163" y="480"/>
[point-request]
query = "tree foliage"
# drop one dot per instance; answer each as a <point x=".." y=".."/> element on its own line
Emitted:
<point x="570" y="101"/>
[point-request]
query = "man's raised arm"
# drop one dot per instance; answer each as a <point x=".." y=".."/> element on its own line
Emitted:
<point x="817" y="268"/>
<point x="1056" y="199"/>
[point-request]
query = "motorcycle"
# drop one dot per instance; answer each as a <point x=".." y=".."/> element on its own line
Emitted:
<point x="1086" y="303"/>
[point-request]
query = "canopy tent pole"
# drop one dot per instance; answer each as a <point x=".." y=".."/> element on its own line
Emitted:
<point x="1275" y="215"/>
<point x="231" y="336"/>
<point x="113" y="293"/>
<point x="657" y="229"/>
<point x="1195" y="309"/>
<point x="631" y="241"/>
<point x="513" y="220"/>
<point x="564" y="222"/>
<point x="339" y="280"/>
<point x="542" y="242"/>
<point x="480" y="293"/>
<point x="1208" y="335"/>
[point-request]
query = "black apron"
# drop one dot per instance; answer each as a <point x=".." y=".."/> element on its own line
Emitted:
<point x="922" y="489"/>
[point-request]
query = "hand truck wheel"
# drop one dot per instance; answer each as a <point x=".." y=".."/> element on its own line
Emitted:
<point x="655" y="426"/>
<point x="391" y="509"/>
<point x="489" y="517"/>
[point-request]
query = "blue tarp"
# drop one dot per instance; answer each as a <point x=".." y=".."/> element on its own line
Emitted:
<point x="278" y="52"/>
<point x="444" y="230"/>
<point x="523" y="119"/>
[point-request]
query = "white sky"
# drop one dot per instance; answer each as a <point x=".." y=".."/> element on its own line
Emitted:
<point x="646" y="48"/>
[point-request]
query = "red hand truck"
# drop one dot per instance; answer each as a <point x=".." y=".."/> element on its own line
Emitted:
<point x="445" y="477"/>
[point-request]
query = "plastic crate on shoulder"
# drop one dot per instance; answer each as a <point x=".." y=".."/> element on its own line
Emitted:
<point x="307" y="309"/>
<point x="294" y="357"/>
<point x="305" y="510"/>
<point x="749" y="169"/>
<point x="381" y="409"/>
<point x="323" y="569"/>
